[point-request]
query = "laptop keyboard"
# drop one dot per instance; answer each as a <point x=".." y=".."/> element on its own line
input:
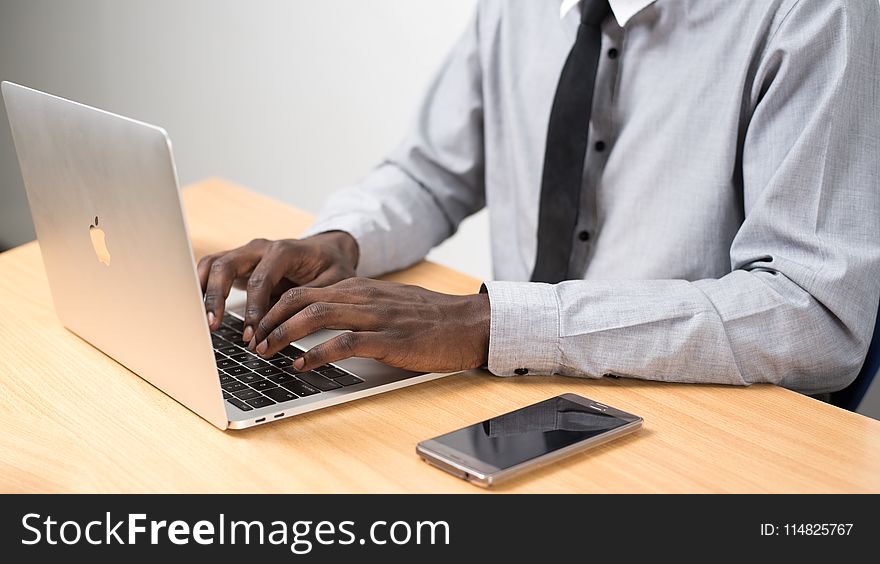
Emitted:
<point x="250" y="382"/>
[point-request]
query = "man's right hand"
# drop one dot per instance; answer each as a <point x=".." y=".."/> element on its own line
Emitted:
<point x="266" y="269"/>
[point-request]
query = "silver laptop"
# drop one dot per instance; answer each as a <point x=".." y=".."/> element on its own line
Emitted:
<point x="104" y="197"/>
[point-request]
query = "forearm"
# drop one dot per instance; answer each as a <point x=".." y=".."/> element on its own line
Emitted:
<point x="394" y="223"/>
<point x="745" y="328"/>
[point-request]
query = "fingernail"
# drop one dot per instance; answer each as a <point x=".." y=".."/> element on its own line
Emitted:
<point x="299" y="363"/>
<point x="248" y="334"/>
<point x="262" y="347"/>
<point x="211" y="319"/>
<point x="251" y="344"/>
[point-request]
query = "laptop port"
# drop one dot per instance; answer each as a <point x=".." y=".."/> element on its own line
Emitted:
<point x="279" y="415"/>
<point x="260" y="420"/>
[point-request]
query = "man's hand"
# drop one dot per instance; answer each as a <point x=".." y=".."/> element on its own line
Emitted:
<point x="268" y="268"/>
<point x="404" y="326"/>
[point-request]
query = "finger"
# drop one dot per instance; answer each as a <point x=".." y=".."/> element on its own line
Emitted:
<point x="263" y="279"/>
<point x="319" y="315"/>
<point x="291" y="303"/>
<point x="221" y="274"/>
<point x="204" y="269"/>
<point x="327" y="278"/>
<point x="364" y="344"/>
<point x="284" y="285"/>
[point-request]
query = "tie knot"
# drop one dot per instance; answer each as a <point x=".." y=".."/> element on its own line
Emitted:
<point x="594" y="12"/>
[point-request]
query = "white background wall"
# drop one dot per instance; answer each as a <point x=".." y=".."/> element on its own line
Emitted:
<point x="290" y="97"/>
<point x="293" y="98"/>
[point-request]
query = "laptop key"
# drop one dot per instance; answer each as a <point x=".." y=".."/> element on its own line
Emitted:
<point x="226" y="363"/>
<point x="247" y="394"/>
<point x="233" y="386"/>
<point x="228" y="333"/>
<point x="239" y="404"/>
<point x="300" y="388"/>
<point x="249" y="377"/>
<point x="236" y="370"/>
<point x="234" y="324"/>
<point x="218" y="356"/>
<point x="243" y="357"/>
<point x="229" y="350"/>
<point x="225" y="379"/>
<point x="255" y="364"/>
<point x="348" y="380"/>
<point x="268" y="371"/>
<point x="281" y="378"/>
<point x="280" y="394"/>
<point x="261" y="401"/>
<point x="318" y="381"/>
<point x="217" y="341"/>
<point x="263" y="385"/>
<point x="281" y="362"/>
<point x="226" y="395"/>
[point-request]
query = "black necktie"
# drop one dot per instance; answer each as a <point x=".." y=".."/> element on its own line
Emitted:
<point x="567" y="146"/>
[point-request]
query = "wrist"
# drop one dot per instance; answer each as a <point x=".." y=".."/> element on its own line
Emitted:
<point x="344" y="243"/>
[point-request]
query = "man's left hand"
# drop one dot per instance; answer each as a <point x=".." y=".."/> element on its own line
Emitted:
<point x="404" y="326"/>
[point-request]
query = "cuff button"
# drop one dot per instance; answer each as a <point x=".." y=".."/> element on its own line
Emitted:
<point x="521" y="371"/>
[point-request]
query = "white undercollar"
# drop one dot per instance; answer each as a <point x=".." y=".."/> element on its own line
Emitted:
<point x="623" y="9"/>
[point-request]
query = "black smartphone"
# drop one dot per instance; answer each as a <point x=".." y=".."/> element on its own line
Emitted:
<point x="504" y="446"/>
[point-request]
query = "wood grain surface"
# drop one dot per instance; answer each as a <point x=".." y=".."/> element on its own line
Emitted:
<point x="73" y="420"/>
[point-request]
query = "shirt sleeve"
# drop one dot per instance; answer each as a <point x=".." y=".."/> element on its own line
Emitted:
<point x="799" y="305"/>
<point x="430" y="183"/>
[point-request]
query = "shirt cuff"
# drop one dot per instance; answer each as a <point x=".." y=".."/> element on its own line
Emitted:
<point x="524" y="328"/>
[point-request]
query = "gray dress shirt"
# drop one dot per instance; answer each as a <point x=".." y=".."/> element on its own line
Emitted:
<point x="729" y="226"/>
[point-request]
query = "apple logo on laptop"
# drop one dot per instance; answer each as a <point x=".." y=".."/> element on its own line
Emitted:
<point x="99" y="242"/>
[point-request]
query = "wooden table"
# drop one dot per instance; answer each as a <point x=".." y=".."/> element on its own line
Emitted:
<point x="73" y="420"/>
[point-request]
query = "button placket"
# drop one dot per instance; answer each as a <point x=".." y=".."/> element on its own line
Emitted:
<point x="600" y="134"/>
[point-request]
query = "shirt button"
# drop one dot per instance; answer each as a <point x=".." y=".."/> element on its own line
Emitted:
<point x="584" y="235"/>
<point x="600" y="146"/>
<point x="612" y="53"/>
<point x="521" y="371"/>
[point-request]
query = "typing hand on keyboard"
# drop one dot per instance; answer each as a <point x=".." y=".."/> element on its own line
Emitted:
<point x="251" y="382"/>
<point x="404" y="326"/>
<point x="267" y="268"/>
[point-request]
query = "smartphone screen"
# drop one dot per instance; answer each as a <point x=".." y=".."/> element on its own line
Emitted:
<point x="531" y="432"/>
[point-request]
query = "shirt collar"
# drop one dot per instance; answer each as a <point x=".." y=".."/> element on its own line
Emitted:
<point x="623" y="9"/>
